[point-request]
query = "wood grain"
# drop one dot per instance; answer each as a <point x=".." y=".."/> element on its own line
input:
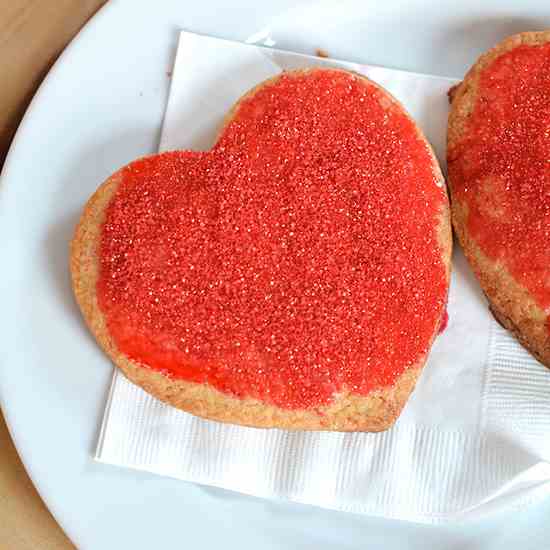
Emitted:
<point x="32" y="35"/>
<point x="26" y="522"/>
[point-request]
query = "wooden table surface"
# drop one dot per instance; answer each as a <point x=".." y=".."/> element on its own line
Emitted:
<point x="32" y="34"/>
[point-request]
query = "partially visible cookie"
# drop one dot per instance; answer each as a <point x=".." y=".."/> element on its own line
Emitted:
<point x="294" y="276"/>
<point x="498" y="156"/>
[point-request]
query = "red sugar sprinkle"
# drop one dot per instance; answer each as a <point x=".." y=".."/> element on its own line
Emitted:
<point x="296" y="259"/>
<point x="501" y="169"/>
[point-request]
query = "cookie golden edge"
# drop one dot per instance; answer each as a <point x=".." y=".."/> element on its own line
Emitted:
<point x="348" y="412"/>
<point x="510" y="302"/>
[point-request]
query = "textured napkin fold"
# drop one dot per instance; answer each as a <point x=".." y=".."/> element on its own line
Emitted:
<point x="474" y="436"/>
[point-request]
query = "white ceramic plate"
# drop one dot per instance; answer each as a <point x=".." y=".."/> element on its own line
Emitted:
<point x="101" y="106"/>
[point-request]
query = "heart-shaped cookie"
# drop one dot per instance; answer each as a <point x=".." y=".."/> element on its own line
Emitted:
<point x="294" y="276"/>
<point x="498" y="150"/>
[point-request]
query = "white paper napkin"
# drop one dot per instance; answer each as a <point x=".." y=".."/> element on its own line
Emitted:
<point x="474" y="435"/>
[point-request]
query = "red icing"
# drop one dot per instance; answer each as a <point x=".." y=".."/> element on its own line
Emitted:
<point x="296" y="259"/>
<point x="444" y="321"/>
<point x="501" y="168"/>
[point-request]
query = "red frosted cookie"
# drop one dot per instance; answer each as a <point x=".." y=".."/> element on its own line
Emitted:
<point x="294" y="276"/>
<point x="499" y="175"/>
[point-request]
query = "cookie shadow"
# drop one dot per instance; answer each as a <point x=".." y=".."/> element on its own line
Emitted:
<point x="462" y="269"/>
<point x="56" y="253"/>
